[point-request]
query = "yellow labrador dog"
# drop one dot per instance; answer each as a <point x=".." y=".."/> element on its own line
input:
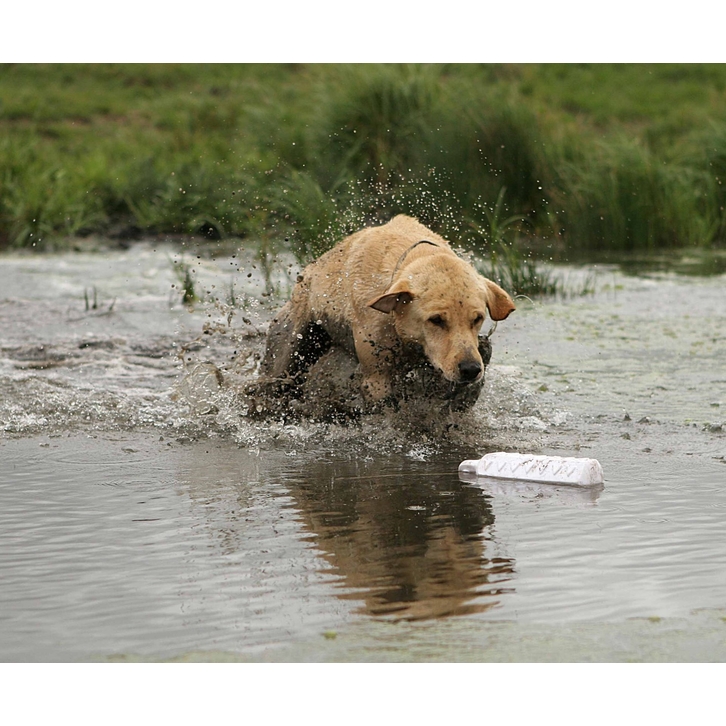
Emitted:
<point x="379" y="289"/>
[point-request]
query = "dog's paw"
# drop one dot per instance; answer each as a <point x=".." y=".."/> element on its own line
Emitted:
<point x="376" y="388"/>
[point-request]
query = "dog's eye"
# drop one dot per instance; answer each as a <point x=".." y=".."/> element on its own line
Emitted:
<point x="438" y="321"/>
<point x="478" y="320"/>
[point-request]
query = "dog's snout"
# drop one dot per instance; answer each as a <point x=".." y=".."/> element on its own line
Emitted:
<point x="469" y="370"/>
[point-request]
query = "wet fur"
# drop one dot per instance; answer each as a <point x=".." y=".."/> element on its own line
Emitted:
<point x="382" y="291"/>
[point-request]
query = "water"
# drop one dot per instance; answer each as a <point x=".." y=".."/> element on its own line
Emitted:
<point x="141" y="516"/>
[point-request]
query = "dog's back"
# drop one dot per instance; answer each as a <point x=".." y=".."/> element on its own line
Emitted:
<point x="360" y="267"/>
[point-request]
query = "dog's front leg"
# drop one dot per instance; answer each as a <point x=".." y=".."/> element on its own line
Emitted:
<point x="375" y="352"/>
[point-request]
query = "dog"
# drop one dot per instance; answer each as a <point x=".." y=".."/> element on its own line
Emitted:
<point x="380" y="291"/>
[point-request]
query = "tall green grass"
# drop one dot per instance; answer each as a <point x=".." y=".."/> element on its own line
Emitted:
<point x="294" y="157"/>
<point x="621" y="196"/>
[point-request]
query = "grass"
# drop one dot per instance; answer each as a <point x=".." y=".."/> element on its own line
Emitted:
<point x="518" y="273"/>
<point x="502" y="260"/>
<point x="184" y="273"/>
<point x="290" y="158"/>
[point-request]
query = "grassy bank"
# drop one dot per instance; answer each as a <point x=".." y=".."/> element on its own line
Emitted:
<point x="566" y="158"/>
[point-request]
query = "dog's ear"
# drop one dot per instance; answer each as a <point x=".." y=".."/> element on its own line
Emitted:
<point x="399" y="294"/>
<point x="497" y="300"/>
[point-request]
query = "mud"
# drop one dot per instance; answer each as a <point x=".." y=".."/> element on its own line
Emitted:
<point x="329" y="388"/>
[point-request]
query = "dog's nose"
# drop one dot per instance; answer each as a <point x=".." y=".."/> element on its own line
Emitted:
<point x="469" y="370"/>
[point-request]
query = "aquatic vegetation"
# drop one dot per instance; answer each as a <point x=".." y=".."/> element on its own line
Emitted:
<point x="518" y="273"/>
<point x="501" y="259"/>
<point x="185" y="275"/>
<point x="93" y="305"/>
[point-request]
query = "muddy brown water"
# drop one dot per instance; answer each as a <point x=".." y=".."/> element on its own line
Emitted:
<point x="144" y="516"/>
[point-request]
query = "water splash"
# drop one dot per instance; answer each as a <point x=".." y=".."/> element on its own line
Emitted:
<point x="151" y="363"/>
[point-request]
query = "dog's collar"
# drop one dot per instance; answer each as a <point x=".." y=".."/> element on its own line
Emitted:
<point x="403" y="256"/>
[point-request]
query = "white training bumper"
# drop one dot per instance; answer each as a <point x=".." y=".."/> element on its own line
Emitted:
<point x="526" y="467"/>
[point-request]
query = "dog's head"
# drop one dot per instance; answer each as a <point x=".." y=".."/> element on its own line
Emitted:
<point x="440" y="302"/>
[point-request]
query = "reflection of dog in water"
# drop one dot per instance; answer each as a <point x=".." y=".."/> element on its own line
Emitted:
<point x="389" y="313"/>
<point x="411" y="546"/>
